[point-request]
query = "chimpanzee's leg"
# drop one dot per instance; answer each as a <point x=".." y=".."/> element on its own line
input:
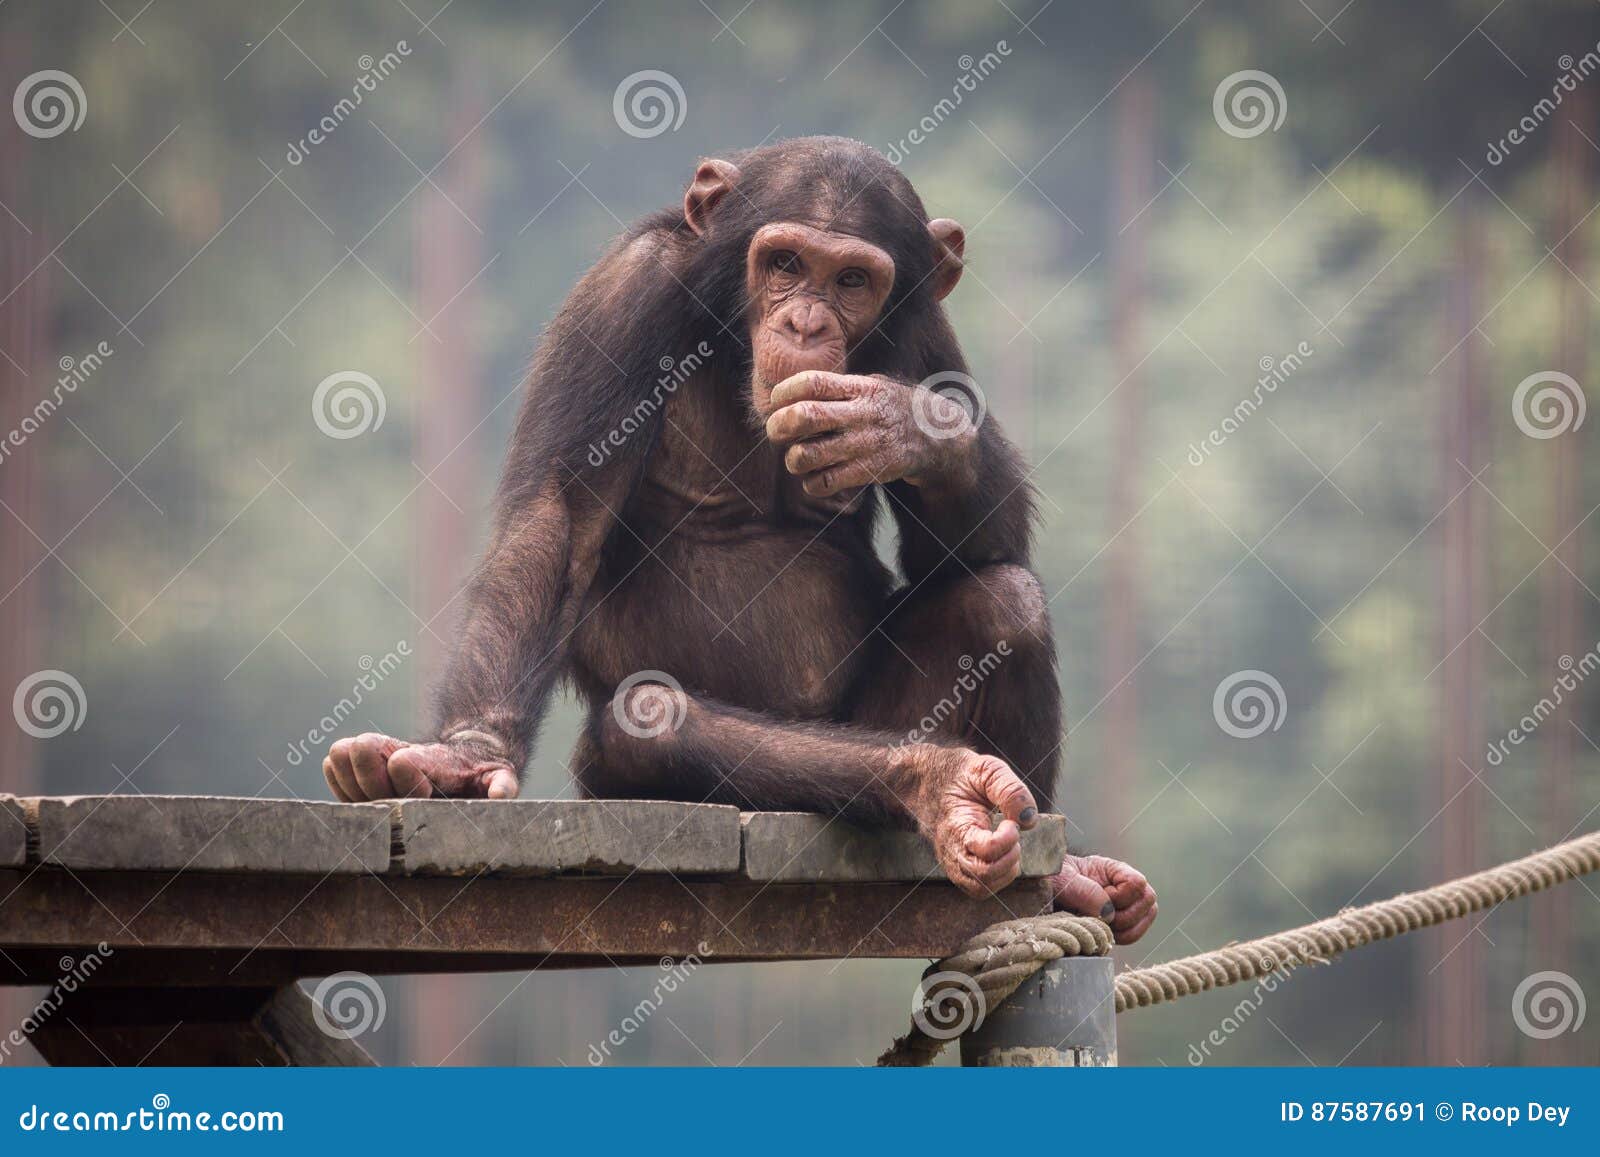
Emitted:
<point x="654" y="741"/>
<point x="969" y="659"/>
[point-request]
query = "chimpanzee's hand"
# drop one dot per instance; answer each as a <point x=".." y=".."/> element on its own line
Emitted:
<point x="1107" y="888"/>
<point x="850" y="430"/>
<point x="374" y="766"/>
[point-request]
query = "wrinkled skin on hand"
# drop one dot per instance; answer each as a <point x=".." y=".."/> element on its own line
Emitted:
<point x="844" y="431"/>
<point x="374" y="766"/>
<point x="960" y="790"/>
<point x="1107" y="888"/>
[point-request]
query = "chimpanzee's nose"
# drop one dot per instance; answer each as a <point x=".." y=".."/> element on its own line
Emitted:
<point x="807" y="321"/>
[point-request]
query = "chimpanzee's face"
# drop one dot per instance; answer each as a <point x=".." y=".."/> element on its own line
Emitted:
<point x="814" y="294"/>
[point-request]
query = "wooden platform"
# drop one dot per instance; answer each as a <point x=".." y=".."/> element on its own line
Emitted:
<point x="200" y="890"/>
<point x="184" y="921"/>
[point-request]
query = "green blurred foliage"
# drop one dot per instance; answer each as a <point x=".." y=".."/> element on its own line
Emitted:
<point x="256" y="561"/>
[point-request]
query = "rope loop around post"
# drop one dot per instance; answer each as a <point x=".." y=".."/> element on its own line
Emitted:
<point x="1000" y="958"/>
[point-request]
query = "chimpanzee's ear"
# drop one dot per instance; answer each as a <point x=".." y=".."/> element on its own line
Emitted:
<point x="949" y="243"/>
<point x="712" y="181"/>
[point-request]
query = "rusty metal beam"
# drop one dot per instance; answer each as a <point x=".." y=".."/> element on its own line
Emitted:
<point x="223" y="929"/>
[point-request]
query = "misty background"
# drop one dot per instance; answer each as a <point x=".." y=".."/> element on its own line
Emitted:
<point x="1392" y="533"/>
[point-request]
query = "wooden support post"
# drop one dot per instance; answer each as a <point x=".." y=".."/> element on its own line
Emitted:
<point x="1063" y="1016"/>
<point x="113" y="1025"/>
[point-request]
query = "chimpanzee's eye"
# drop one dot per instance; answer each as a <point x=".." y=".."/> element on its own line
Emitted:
<point x="786" y="261"/>
<point x="852" y="279"/>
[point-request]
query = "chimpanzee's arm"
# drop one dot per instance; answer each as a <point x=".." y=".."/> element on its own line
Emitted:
<point x="977" y="507"/>
<point x="522" y="608"/>
<point x="567" y="477"/>
<point x="959" y="490"/>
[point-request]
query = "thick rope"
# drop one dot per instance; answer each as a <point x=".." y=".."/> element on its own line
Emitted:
<point x="987" y="969"/>
<point x="996" y="961"/>
<point x="1320" y="942"/>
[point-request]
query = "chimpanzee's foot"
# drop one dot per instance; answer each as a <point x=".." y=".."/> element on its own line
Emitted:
<point x="1107" y="888"/>
<point x="374" y="766"/>
<point x="961" y="789"/>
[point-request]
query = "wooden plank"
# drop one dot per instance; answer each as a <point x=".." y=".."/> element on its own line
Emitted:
<point x="13" y="833"/>
<point x="212" y="833"/>
<point x="546" y="837"/>
<point x="392" y="923"/>
<point x="289" y="1020"/>
<point x="801" y="847"/>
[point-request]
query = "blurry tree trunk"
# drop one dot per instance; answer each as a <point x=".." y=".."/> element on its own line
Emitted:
<point x="1558" y="597"/>
<point x="1134" y="161"/>
<point x="1452" y="981"/>
<point x="450" y="405"/>
<point x="24" y="350"/>
<point x="25" y="342"/>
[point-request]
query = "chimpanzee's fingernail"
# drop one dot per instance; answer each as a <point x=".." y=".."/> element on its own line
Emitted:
<point x="1108" y="911"/>
<point x="1029" y="814"/>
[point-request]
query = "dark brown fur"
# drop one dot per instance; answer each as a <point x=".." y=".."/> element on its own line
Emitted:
<point x="691" y="551"/>
<point x="684" y="531"/>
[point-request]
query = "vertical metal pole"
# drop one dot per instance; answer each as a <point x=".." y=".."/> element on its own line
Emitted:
<point x="1063" y="1016"/>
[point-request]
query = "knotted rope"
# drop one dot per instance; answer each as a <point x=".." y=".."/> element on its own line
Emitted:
<point x="989" y="968"/>
<point x="1000" y="958"/>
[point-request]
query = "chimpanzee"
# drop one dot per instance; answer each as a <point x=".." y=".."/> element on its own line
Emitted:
<point x="684" y="532"/>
